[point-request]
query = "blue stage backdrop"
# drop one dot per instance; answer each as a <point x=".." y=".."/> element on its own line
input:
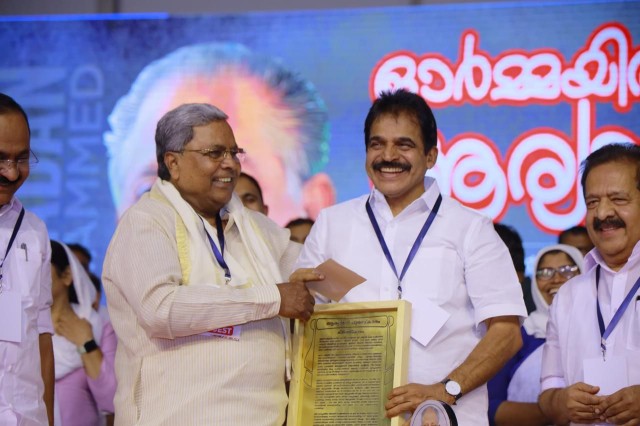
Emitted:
<point x="522" y="93"/>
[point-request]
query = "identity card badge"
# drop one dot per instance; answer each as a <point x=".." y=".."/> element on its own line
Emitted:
<point x="11" y="315"/>
<point x="608" y="373"/>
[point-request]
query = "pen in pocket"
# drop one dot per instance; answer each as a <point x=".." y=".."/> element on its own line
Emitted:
<point x="23" y="246"/>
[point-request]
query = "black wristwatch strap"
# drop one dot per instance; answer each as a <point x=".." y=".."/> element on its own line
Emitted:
<point x="88" y="347"/>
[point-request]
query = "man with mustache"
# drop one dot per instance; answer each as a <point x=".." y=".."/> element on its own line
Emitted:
<point x="26" y="351"/>
<point x="412" y="243"/>
<point x="591" y="359"/>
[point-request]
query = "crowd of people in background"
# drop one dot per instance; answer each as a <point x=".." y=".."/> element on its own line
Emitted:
<point x="198" y="332"/>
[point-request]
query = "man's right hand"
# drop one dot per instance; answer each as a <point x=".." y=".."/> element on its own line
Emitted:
<point x="295" y="300"/>
<point x="576" y="403"/>
<point x="581" y="402"/>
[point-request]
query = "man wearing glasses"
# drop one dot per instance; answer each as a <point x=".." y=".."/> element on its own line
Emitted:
<point x="591" y="358"/>
<point x="190" y="277"/>
<point x="26" y="352"/>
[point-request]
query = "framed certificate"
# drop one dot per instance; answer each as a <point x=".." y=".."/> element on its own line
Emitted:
<point x="347" y="358"/>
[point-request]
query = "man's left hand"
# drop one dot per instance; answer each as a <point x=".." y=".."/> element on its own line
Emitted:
<point x="622" y="407"/>
<point x="408" y="397"/>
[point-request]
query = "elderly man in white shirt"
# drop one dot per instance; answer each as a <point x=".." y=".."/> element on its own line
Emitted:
<point x="26" y="351"/>
<point x="591" y="359"/>
<point x="456" y="265"/>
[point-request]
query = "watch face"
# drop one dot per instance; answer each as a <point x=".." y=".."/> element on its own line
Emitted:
<point x="453" y="388"/>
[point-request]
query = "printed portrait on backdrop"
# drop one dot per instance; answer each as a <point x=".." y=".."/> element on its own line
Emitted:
<point x="276" y="115"/>
<point x="517" y="110"/>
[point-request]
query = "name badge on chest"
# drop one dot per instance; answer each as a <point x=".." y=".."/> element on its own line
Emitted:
<point x="608" y="373"/>
<point x="231" y="332"/>
<point x="11" y="315"/>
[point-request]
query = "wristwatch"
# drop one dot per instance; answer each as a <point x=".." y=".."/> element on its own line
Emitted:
<point x="89" y="346"/>
<point x="452" y="388"/>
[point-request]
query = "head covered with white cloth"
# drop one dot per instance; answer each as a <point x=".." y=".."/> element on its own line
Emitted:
<point x="543" y="288"/>
<point x="82" y="294"/>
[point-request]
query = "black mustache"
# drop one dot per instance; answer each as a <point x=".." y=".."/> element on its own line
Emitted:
<point x="391" y="164"/>
<point x="5" y="181"/>
<point x="613" y="221"/>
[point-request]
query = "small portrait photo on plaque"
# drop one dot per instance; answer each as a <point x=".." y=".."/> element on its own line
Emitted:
<point x="433" y="413"/>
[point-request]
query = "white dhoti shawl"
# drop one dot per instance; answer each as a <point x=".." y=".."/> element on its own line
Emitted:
<point x="197" y="261"/>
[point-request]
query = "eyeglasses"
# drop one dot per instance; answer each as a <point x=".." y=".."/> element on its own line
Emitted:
<point x="20" y="163"/>
<point x="567" y="271"/>
<point x="219" y="154"/>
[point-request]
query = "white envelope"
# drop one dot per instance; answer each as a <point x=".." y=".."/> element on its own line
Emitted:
<point x="11" y="316"/>
<point x="610" y="374"/>
<point x="427" y="319"/>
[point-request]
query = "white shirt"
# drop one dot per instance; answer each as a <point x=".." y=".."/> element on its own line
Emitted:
<point x="462" y="266"/>
<point x="573" y="334"/>
<point x="28" y="267"/>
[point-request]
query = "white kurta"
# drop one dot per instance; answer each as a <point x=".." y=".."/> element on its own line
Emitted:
<point x="168" y="373"/>
<point x="462" y="266"/>
<point x="28" y="270"/>
<point x="573" y="334"/>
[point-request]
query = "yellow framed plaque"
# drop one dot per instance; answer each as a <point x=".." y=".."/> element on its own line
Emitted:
<point x="347" y="358"/>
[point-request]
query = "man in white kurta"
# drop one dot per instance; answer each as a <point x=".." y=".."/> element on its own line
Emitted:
<point x="461" y="276"/>
<point x="199" y="337"/>
<point x="585" y="380"/>
<point x="21" y="384"/>
<point x="26" y="352"/>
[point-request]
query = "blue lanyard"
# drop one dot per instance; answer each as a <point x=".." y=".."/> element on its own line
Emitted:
<point x="219" y="254"/>
<point x="605" y="333"/>
<point x="14" y="234"/>
<point x="416" y="244"/>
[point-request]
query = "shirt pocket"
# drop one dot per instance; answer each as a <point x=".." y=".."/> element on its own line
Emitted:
<point x="432" y="274"/>
<point x="25" y="269"/>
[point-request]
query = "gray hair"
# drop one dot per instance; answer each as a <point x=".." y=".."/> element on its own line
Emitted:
<point x="175" y="129"/>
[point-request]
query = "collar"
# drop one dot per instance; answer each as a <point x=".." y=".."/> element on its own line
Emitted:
<point x="14" y="204"/>
<point x="422" y="204"/>
<point x="226" y="212"/>
<point x="231" y="209"/>
<point x="594" y="258"/>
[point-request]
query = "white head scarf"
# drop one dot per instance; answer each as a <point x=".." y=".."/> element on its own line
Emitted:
<point x="536" y="324"/>
<point x="66" y="356"/>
